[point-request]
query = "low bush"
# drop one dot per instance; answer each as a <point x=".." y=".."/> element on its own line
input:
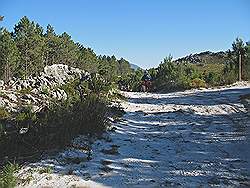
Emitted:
<point x="212" y="79"/>
<point x="4" y="114"/>
<point x="53" y="127"/>
<point x="7" y="176"/>
<point x="26" y="115"/>
<point x="27" y="134"/>
<point x="47" y="170"/>
<point x="25" y="91"/>
<point x="197" y="83"/>
<point x="45" y="91"/>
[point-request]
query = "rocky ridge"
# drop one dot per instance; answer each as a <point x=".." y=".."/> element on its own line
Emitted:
<point x="205" y="57"/>
<point x="36" y="90"/>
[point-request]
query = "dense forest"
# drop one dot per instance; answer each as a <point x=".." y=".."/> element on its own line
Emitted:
<point x="28" y="49"/>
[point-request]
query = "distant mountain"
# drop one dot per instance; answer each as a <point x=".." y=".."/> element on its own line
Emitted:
<point x="204" y="57"/>
<point x="135" y="67"/>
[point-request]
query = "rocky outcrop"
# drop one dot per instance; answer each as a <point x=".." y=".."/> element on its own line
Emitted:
<point x="37" y="90"/>
<point x="53" y="75"/>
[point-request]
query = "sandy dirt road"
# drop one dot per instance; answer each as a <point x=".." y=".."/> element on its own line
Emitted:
<point x="183" y="139"/>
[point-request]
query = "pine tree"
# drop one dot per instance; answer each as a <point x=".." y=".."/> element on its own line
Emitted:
<point x="87" y="59"/>
<point x="30" y="42"/>
<point x="239" y="51"/>
<point x="247" y="62"/>
<point x="123" y="67"/>
<point x="52" y="46"/>
<point x="68" y="50"/>
<point x="9" y="55"/>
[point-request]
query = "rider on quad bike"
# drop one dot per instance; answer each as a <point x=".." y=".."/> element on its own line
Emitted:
<point x="146" y="82"/>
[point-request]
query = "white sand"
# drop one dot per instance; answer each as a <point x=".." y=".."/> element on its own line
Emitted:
<point x="188" y="139"/>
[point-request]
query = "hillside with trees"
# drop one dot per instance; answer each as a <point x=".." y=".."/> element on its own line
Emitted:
<point x="206" y="69"/>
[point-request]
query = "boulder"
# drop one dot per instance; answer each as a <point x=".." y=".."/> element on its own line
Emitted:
<point x="58" y="71"/>
<point x="62" y="73"/>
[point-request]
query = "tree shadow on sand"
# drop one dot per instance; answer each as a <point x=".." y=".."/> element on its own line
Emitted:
<point x="196" y="98"/>
<point x="178" y="148"/>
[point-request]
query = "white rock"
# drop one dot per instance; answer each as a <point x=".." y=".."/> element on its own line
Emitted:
<point x="61" y="94"/>
<point x="12" y="97"/>
<point x="30" y="97"/>
<point x="2" y="102"/>
<point x="35" y="108"/>
<point x="1" y="83"/>
<point x="58" y="71"/>
<point x="35" y="91"/>
<point x="50" y="78"/>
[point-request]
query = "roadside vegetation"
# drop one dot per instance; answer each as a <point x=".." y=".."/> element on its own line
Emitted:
<point x="205" y="69"/>
<point x="7" y="176"/>
<point x="219" y="69"/>
<point x="25" y="133"/>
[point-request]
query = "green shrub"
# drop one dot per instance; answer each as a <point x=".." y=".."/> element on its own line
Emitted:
<point x="94" y="113"/>
<point x="55" y="126"/>
<point x="99" y="85"/>
<point x="198" y="83"/>
<point x="71" y="89"/>
<point x="45" y="91"/>
<point x="3" y="95"/>
<point x="4" y="114"/>
<point x="26" y="114"/>
<point x="7" y="176"/>
<point x="212" y="78"/>
<point x="1" y="131"/>
<point x="131" y="81"/>
<point x="47" y="170"/>
<point x="25" y="91"/>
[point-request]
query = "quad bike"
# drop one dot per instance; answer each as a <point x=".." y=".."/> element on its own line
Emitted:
<point x="146" y="86"/>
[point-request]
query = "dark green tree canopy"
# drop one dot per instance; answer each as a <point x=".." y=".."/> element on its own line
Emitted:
<point x="29" y="48"/>
<point x="9" y="55"/>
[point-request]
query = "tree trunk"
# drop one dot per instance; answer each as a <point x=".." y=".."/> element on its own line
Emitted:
<point x="240" y="67"/>
<point x="6" y="72"/>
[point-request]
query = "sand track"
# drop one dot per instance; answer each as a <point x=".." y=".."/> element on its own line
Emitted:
<point x="186" y="139"/>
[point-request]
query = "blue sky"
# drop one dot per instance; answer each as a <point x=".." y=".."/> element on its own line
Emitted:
<point x="141" y="31"/>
